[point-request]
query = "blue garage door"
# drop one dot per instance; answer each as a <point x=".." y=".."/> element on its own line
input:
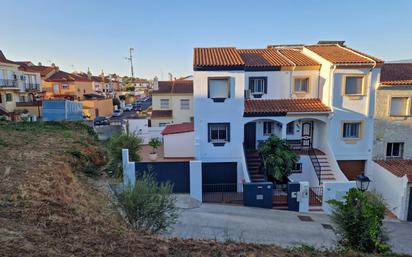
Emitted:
<point x="219" y="174"/>
<point x="177" y="173"/>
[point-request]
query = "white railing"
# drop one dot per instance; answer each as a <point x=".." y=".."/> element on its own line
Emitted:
<point x="339" y="175"/>
<point x="244" y="166"/>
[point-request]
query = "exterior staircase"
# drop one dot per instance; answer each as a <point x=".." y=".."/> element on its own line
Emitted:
<point x="253" y="164"/>
<point x="322" y="167"/>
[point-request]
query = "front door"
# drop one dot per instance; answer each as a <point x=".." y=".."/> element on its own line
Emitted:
<point x="409" y="218"/>
<point x="250" y="136"/>
<point x="307" y="128"/>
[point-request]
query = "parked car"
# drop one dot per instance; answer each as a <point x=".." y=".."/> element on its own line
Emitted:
<point x="100" y="121"/>
<point x="143" y="104"/>
<point x="117" y="113"/>
<point x="128" y="107"/>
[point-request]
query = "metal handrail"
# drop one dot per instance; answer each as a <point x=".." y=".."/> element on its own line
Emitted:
<point x="8" y="83"/>
<point x="315" y="163"/>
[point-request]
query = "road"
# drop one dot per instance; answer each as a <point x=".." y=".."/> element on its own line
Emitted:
<point x="265" y="226"/>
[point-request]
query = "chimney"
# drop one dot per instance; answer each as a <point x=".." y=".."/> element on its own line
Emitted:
<point x="170" y="76"/>
<point x="155" y="83"/>
<point x="39" y="64"/>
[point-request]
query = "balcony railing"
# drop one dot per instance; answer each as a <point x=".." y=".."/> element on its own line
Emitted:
<point x="32" y="87"/>
<point x="8" y="83"/>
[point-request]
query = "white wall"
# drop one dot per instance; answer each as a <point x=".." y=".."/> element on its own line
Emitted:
<point x="392" y="188"/>
<point x="179" y="145"/>
<point x="308" y="172"/>
<point x="141" y="129"/>
<point x="335" y="190"/>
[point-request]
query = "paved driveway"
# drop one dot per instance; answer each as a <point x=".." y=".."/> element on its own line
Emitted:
<point x="284" y="228"/>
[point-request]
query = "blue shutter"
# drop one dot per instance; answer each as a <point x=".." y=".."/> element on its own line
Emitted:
<point x="265" y="86"/>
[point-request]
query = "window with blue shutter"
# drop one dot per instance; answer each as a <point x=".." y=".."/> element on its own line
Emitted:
<point x="258" y="86"/>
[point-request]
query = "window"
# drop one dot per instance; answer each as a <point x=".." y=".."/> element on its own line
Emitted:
<point x="351" y="130"/>
<point x="394" y="150"/>
<point x="268" y="128"/>
<point x="184" y="104"/>
<point x="163" y="124"/>
<point x="9" y="97"/>
<point x="65" y="86"/>
<point x="290" y="128"/>
<point x="1" y="99"/>
<point x="399" y="106"/>
<point x="218" y="89"/>
<point x="22" y="99"/>
<point x="297" y="168"/>
<point x="353" y="85"/>
<point x="258" y="86"/>
<point x="301" y="85"/>
<point x="219" y="133"/>
<point x="164" y="103"/>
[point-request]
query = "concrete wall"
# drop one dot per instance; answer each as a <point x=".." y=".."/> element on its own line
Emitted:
<point x="392" y="188"/>
<point x="179" y="145"/>
<point x="335" y="190"/>
<point x="391" y="129"/>
<point x="104" y="107"/>
<point x="141" y="129"/>
<point x="308" y="172"/>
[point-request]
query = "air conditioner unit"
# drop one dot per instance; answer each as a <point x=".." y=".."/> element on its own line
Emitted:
<point x="247" y="94"/>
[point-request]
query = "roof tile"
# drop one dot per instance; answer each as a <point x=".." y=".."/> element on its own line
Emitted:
<point x="398" y="168"/>
<point x="178" y="128"/>
<point x="217" y="56"/>
<point x="396" y="74"/>
<point x="279" y="107"/>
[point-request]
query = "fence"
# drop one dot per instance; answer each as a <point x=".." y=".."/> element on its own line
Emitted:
<point x="222" y="193"/>
<point x="315" y="196"/>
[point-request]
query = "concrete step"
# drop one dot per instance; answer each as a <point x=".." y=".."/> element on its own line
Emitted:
<point x="315" y="209"/>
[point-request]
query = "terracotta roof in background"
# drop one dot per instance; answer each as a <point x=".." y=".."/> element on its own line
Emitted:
<point x="217" y="56"/>
<point x="100" y="79"/>
<point x="342" y="55"/>
<point x="396" y="74"/>
<point x="175" y="87"/>
<point x="297" y="57"/>
<point x="162" y="114"/>
<point x="178" y="128"/>
<point x="3" y="59"/>
<point x="43" y="70"/>
<point x="261" y="58"/>
<point x="398" y="168"/>
<point x="61" y="76"/>
<point x="278" y="107"/>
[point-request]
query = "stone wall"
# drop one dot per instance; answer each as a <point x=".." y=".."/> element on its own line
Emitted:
<point x="391" y="129"/>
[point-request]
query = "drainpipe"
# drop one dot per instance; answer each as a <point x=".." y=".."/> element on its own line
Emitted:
<point x="331" y="84"/>
<point x="319" y="82"/>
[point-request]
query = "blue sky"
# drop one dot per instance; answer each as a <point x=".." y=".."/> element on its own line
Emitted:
<point x="97" y="34"/>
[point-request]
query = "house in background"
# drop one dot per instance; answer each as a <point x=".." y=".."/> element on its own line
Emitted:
<point x="9" y="85"/>
<point x="318" y="97"/>
<point x="172" y="102"/>
<point x="64" y="85"/>
<point x="392" y="151"/>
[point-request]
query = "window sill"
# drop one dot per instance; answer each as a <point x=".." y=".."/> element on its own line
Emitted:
<point x="257" y="95"/>
<point x="218" y="100"/>
<point x="351" y="141"/>
<point x="354" y="97"/>
<point x="218" y="143"/>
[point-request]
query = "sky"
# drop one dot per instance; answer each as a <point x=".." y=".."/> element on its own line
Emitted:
<point x="77" y="34"/>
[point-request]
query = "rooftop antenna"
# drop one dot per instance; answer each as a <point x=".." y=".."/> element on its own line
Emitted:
<point x="130" y="59"/>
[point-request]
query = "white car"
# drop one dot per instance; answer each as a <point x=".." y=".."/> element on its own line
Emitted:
<point x="128" y="107"/>
<point x="117" y="113"/>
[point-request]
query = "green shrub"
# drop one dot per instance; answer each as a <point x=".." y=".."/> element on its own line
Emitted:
<point x="279" y="159"/>
<point x="358" y="219"/>
<point x="149" y="205"/>
<point x="115" y="146"/>
<point x="154" y="143"/>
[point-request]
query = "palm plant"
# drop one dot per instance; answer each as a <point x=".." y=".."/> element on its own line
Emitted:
<point x="278" y="159"/>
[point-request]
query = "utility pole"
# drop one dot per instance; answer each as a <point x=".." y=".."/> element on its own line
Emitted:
<point x="130" y="59"/>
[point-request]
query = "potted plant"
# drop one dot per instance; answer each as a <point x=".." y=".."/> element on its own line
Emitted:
<point x="154" y="143"/>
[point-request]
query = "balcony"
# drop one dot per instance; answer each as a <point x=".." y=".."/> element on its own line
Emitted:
<point x="8" y="83"/>
<point x="30" y="87"/>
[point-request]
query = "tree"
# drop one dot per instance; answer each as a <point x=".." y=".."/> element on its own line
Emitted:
<point x="154" y="143"/>
<point x="358" y="219"/>
<point x="149" y="205"/>
<point x="278" y="158"/>
<point x="115" y="146"/>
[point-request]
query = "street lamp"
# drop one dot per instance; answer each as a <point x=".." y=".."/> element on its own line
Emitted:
<point x="362" y="182"/>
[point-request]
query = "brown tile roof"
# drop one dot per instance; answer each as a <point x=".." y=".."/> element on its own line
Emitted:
<point x="280" y="107"/>
<point x="3" y="59"/>
<point x="297" y="57"/>
<point x="263" y="58"/>
<point x="217" y="56"/>
<point x="100" y="79"/>
<point x="43" y="70"/>
<point x="249" y="59"/>
<point x="175" y="87"/>
<point x="342" y="55"/>
<point x="396" y="74"/>
<point x="178" y="128"/>
<point x="398" y="168"/>
<point x="61" y="76"/>
<point x="162" y="114"/>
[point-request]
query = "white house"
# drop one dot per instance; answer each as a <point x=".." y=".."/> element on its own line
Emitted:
<point x="318" y="97"/>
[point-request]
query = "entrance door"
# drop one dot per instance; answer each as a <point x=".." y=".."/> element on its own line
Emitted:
<point x="307" y="129"/>
<point x="409" y="218"/>
<point x="250" y="136"/>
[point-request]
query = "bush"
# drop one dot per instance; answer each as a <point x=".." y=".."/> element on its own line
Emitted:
<point x="149" y="205"/>
<point x="154" y="143"/>
<point x="279" y="160"/>
<point x="358" y="222"/>
<point x="115" y="146"/>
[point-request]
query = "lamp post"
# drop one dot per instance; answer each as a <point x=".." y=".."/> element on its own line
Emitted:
<point x="362" y="182"/>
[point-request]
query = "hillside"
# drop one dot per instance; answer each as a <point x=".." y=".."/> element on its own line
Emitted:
<point x="49" y="207"/>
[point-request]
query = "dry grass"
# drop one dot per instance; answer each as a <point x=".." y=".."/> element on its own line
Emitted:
<point x="49" y="208"/>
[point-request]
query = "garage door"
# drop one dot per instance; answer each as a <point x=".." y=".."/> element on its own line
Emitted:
<point x="352" y="168"/>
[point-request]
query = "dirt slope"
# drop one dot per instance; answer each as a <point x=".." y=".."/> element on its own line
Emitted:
<point x="48" y="207"/>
